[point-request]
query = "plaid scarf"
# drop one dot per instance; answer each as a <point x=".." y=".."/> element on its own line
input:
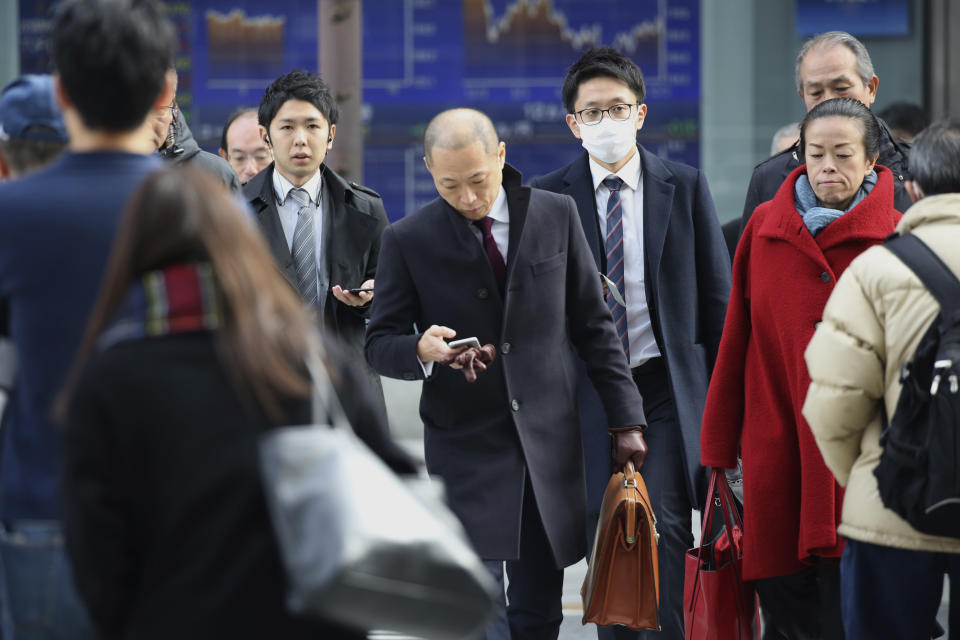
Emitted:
<point x="177" y="299"/>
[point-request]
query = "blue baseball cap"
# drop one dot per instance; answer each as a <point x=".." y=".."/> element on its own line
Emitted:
<point x="28" y="111"/>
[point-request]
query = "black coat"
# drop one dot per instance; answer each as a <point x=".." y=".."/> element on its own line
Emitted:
<point x="770" y="174"/>
<point x="520" y="416"/>
<point x="687" y="277"/>
<point x="165" y="518"/>
<point x="353" y="221"/>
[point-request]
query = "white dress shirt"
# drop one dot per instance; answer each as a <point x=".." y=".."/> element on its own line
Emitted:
<point x="289" y="210"/>
<point x="500" y="230"/>
<point x="643" y="345"/>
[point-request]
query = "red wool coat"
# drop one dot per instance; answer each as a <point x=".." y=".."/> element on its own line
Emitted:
<point x="782" y="277"/>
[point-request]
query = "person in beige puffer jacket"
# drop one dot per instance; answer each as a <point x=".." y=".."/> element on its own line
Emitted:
<point x="891" y="574"/>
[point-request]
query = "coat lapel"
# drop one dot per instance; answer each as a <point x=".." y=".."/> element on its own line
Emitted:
<point x="657" y="207"/>
<point x="784" y="223"/>
<point x="579" y="185"/>
<point x="518" y="201"/>
<point x="268" y="218"/>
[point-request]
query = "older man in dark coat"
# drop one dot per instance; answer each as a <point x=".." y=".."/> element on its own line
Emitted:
<point x="508" y="265"/>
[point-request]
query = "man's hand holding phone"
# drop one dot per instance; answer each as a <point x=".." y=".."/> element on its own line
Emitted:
<point x="356" y="297"/>
<point x="433" y="345"/>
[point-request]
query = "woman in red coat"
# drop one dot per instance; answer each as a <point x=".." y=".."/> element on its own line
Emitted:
<point x="792" y="252"/>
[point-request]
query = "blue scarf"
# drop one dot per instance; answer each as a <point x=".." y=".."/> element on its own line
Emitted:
<point x="817" y="217"/>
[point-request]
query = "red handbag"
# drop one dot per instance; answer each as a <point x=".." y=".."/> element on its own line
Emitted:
<point x="718" y="604"/>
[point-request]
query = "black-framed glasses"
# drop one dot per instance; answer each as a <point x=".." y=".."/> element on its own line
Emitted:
<point x="618" y="112"/>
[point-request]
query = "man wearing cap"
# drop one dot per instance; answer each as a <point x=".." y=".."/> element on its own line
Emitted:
<point x="31" y="136"/>
<point x="31" y="127"/>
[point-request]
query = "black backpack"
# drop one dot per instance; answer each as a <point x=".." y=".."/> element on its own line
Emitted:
<point x="919" y="471"/>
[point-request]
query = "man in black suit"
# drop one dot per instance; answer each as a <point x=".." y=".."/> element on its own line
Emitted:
<point x="323" y="231"/>
<point x="510" y="266"/>
<point x="653" y="231"/>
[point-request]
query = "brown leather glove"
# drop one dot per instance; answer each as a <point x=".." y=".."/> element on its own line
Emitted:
<point x="628" y="444"/>
<point x="473" y="360"/>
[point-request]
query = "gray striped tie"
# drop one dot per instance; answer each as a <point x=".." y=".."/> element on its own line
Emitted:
<point x="304" y="247"/>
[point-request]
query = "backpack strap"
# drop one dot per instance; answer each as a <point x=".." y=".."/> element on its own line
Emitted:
<point x="933" y="273"/>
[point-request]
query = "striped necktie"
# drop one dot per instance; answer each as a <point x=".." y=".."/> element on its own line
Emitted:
<point x="304" y="247"/>
<point x="614" y="247"/>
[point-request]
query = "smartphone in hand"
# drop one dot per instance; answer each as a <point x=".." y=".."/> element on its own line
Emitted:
<point x="360" y="290"/>
<point x="465" y="342"/>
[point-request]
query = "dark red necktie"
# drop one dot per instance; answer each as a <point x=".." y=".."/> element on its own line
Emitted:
<point x="493" y="253"/>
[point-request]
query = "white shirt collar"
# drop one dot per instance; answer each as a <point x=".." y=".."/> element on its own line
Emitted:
<point x="282" y="187"/>
<point x="499" y="211"/>
<point x="629" y="173"/>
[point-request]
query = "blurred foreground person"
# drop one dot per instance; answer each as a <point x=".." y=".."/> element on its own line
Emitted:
<point x="892" y="575"/>
<point x="195" y="348"/>
<point x="826" y="213"/>
<point x="56" y="227"/>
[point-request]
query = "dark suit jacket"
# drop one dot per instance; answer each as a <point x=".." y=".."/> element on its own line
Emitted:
<point x="353" y="220"/>
<point x="687" y="275"/>
<point x="520" y="416"/>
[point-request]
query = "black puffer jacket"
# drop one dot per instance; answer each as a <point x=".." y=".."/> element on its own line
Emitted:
<point x="185" y="149"/>
<point x="770" y="174"/>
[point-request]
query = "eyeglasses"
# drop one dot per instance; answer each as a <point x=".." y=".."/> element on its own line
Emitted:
<point x="618" y="112"/>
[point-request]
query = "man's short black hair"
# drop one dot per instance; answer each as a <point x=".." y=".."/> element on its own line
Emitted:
<point x="242" y="111"/>
<point x="297" y="85"/>
<point x="602" y="62"/>
<point x="935" y="158"/>
<point x="112" y="57"/>
<point x="905" y="116"/>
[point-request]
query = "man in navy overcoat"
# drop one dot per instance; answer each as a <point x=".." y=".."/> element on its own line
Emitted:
<point x="509" y="265"/>
<point x="652" y="229"/>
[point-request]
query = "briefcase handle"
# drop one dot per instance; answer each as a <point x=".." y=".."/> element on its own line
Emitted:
<point x="630" y="519"/>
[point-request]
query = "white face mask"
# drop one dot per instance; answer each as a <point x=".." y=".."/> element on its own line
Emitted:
<point x="610" y="140"/>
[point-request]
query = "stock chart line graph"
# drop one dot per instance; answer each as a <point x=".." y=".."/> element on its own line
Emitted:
<point x="532" y="42"/>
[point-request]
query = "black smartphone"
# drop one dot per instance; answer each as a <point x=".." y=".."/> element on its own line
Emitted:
<point x="360" y="290"/>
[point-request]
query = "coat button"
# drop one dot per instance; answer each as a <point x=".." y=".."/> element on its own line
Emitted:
<point x="825" y="276"/>
<point x="505" y="348"/>
<point x="515" y="405"/>
<point x="483" y="294"/>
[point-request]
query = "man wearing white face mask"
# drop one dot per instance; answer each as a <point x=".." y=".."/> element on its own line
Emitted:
<point x="662" y="261"/>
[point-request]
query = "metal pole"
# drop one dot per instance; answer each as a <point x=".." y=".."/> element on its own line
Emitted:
<point x="340" y="51"/>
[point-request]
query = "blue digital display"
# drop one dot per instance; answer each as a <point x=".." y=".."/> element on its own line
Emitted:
<point x="504" y="57"/>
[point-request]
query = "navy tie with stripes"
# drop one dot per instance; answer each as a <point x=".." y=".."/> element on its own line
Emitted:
<point x="614" y="248"/>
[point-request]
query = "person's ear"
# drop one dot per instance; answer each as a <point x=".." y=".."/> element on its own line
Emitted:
<point x="872" y="89"/>
<point x="63" y="101"/>
<point x="871" y="163"/>
<point x="502" y="153"/>
<point x="573" y="125"/>
<point x="641" y="115"/>
<point x="331" y="136"/>
<point x="168" y="93"/>
<point x="264" y="135"/>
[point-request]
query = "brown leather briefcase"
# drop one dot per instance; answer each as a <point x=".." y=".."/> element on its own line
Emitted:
<point x="622" y="585"/>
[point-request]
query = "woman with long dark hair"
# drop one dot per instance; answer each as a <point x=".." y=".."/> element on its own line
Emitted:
<point x="195" y="348"/>
<point x="826" y="212"/>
